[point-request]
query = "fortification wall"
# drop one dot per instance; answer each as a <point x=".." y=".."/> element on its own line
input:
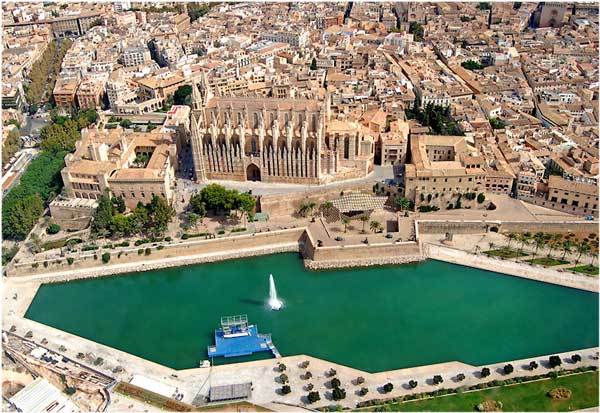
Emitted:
<point x="186" y="251"/>
<point x="358" y="255"/>
<point x="287" y="204"/>
<point x="480" y="227"/>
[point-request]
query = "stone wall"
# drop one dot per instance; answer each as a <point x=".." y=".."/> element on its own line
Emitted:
<point x="481" y="227"/>
<point x="71" y="217"/>
<point x="517" y="269"/>
<point x="358" y="255"/>
<point x="288" y="204"/>
<point x="228" y="247"/>
<point x="549" y="226"/>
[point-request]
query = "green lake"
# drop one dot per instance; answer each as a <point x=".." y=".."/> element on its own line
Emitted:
<point x="373" y="319"/>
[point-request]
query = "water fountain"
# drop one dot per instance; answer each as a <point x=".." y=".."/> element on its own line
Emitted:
<point x="274" y="302"/>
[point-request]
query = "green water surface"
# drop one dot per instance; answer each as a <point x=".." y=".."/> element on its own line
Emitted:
<point x="373" y="319"/>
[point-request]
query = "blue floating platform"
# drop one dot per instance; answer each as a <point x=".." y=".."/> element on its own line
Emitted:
<point x="240" y="345"/>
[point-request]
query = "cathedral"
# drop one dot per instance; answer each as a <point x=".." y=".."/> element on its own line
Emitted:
<point x="274" y="140"/>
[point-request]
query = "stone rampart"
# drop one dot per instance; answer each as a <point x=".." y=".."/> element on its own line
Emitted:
<point x="481" y="227"/>
<point x="288" y="204"/>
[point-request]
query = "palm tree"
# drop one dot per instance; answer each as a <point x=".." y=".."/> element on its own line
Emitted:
<point x="402" y="203"/>
<point x="327" y="205"/>
<point x="553" y="243"/>
<point x="306" y="208"/>
<point x="345" y="221"/>
<point x="539" y="240"/>
<point x="363" y="219"/>
<point x="582" y="248"/>
<point x="375" y="225"/>
<point x="566" y="247"/>
<point x="594" y="250"/>
<point x="524" y="239"/>
<point x="511" y="237"/>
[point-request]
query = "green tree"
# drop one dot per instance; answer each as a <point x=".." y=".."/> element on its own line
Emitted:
<point x="286" y="389"/>
<point x="480" y="198"/>
<point x="539" y="240"/>
<point x="103" y="215"/>
<point x="197" y="10"/>
<point x="125" y="123"/>
<point x="497" y="123"/>
<point x="40" y="180"/>
<point x="197" y="205"/>
<point x="11" y="145"/>
<point x="22" y="216"/>
<point x="417" y="30"/>
<point x="524" y="240"/>
<point x="508" y="368"/>
<point x="122" y="225"/>
<point x="388" y="387"/>
<point x="313" y="64"/>
<point x="345" y="222"/>
<point x="216" y="198"/>
<point x="306" y="208"/>
<point x="313" y="397"/>
<point x="375" y="226"/>
<point x="53" y="229"/>
<point x="402" y="203"/>
<point x="327" y="205"/>
<point x="338" y="393"/>
<point x="244" y="202"/>
<point x="583" y="247"/>
<point x="566" y="247"/>
<point x="106" y="257"/>
<point x="471" y="65"/>
<point x="183" y="95"/>
<point x="119" y="204"/>
<point x="485" y="372"/>
<point x="160" y="213"/>
<point x="193" y="219"/>
<point x="364" y="219"/>
<point x="553" y="243"/>
<point x="554" y="361"/>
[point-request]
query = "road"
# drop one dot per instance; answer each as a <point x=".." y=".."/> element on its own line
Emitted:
<point x="379" y="174"/>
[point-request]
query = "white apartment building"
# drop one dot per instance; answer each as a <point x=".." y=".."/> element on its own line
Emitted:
<point x="135" y="56"/>
<point x="297" y="39"/>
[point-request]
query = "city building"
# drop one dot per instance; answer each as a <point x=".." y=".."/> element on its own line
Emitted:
<point x="132" y="165"/>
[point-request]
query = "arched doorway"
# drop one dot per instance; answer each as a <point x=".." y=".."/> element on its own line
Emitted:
<point x="253" y="173"/>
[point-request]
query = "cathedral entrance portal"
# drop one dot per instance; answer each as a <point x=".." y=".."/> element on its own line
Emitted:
<point x="253" y="173"/>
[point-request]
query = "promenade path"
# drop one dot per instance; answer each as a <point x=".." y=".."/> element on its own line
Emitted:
<point x="263" y="374"/>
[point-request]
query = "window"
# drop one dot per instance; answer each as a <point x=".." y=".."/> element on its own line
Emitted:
<point x="563" y="201"/>
<point x="553" y="199"/>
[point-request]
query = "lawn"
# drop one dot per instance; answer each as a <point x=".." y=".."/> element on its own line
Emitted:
<point x="505" y="253"/>
<point x="547" y="261"/>
<point x="521" y="397"/>
<point x="586" y="269"/>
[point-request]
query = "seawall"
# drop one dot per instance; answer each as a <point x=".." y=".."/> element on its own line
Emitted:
<point x="517" y="269"/>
